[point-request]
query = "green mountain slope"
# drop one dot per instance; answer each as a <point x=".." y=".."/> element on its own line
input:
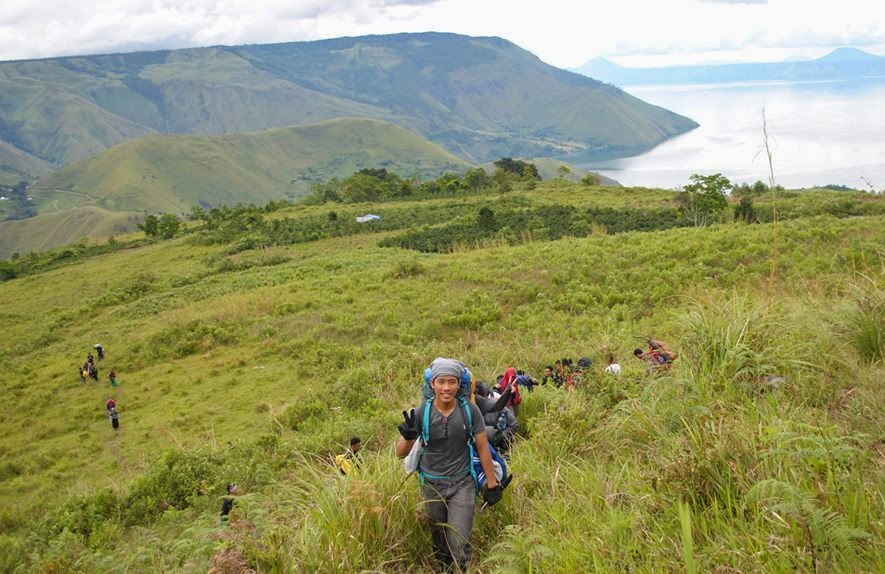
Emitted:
<point x="49" y="230"/>
<point x="255" y="367"/>
<point x="174" y="173"/>
<point x="482" y="98"/>
<point x="16" y="165"/>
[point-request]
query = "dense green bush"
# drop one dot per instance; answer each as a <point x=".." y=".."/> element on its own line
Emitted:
<point x="539" y="223"/>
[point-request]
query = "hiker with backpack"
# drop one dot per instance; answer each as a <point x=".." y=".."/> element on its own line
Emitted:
<point x="612" y="367"/>
<point x="527" y="381"/>
<point x="112" y="377"/>
<point x="115" y="417"/>
<point x="510" y="379"/>
<point x="549" y="377"/>
<point x="658" y="358"/>
<point x="93" y="372"/>
<point x="564" y="373"/>
<point x="577" y="375"/>
<point x="501" y="425"/>
<point x="227" y="502"/>
<point x="449" y="434"/>
<point x="351" y="459"/>
<point x="100" y="351"/>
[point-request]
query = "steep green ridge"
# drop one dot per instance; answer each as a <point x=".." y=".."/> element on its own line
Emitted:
<point x="16" y="165"/>
<point x="173" y="173"/>
<point x="49" y="230"/>
<point x="481" y="98"/>
<point x="256" y="365"/>
<point x="109" y="193"/>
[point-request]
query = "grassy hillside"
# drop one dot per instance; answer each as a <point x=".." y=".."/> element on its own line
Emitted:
<point x="481" y="98"/>
<point x="62" y="228"/>
<point x="255" y="365"/>
<point x="16" y="165"/>
<point x="107" y="194"/>
<point x="174" y="173"/>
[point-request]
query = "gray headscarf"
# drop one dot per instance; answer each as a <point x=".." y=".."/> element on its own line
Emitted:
<point x="446" y="367"/>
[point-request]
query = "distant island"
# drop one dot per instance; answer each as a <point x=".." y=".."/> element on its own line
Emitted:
<point x="840" y="64"/>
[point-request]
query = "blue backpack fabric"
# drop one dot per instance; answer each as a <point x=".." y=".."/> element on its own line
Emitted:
<point x="476" y="470"/>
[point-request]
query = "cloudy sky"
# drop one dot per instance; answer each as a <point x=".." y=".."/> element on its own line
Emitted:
<point x="565" y="33"/>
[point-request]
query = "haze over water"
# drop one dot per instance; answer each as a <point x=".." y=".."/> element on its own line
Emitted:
<point x="820" y="133"/>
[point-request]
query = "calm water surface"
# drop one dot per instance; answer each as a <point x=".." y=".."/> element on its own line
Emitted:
<point x="819" y="132"/>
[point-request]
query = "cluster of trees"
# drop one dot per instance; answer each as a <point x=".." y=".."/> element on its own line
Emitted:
<point x="758" y="188"/>
<point x="378" y="184"/>
<point x="166" y="225"/>
<point x="704" y="200"/>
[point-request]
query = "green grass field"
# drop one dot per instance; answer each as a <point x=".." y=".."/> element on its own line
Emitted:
<point x="256" y="366"/>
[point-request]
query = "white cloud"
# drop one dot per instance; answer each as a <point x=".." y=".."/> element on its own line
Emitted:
<point x="562" y="32"/>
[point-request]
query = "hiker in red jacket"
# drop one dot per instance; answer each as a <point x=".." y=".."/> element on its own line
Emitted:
<point x="507" y="380"/>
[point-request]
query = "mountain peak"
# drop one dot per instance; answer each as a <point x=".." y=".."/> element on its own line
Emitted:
<point x="847" y="54"/>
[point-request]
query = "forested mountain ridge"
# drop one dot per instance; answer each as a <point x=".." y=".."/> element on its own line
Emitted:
<point x="481" y="98"/>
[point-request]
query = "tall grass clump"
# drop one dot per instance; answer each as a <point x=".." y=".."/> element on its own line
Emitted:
<point x="736" y="343"/>
<point x="865" y="324"/>
<point x="820" y="533"/>
<point x="323" y="522"/>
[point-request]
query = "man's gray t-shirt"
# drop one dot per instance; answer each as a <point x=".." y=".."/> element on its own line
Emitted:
<point x="447" y="453"/>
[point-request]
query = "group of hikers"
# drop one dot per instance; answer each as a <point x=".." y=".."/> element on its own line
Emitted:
<point x="458" y="438"/>
<point x="90" y="370"/>
<point x="454" y="439"/>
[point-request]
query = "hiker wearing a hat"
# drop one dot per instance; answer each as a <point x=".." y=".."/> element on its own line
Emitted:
<point x="577" y="377"/>
<point x="445" y="464"/>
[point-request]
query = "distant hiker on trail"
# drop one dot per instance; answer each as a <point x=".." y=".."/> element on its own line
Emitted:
<point x="112" y="376"/>
<point x="351" y="459"/>
<point x="227" y="502"/>
<point x="90" y="360"/>
<point x="659" y="357"/>
<point x="450" y="427"/>
<point x="112" y="404"/>
<point x="611" y="366"/>
<point x="93" y="372"/>
<point x="100" y="350"/>
<point x="83" y="373"/>
<point x="115" y="417"/>
<point x="549" y="377"/>
<point x="508" y="379"/>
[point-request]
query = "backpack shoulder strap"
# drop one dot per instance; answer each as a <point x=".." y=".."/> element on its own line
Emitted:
<point x="425" y="423"/>
<point x="468" y="420"/>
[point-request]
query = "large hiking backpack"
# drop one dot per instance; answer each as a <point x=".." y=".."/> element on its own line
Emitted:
<point x="344" y="464"/>
<point x="662" y="349"/>
<point x="476" y="470"/>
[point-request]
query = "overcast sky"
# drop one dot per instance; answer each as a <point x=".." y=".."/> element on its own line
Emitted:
<point x="565" y="33"/>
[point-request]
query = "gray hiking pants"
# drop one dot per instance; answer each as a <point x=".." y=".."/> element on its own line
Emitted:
<point x="451" y="505"/>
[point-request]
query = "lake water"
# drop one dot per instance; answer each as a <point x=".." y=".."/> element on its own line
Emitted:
<point x="819" y="133"/>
